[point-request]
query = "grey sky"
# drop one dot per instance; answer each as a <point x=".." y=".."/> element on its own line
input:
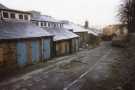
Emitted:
<point x="97" y="12"/>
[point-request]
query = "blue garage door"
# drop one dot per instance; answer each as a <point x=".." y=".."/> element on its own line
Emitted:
<point x="22" y="53"/>
<point x="35" y="51"/>
<point x="46" y="49"/>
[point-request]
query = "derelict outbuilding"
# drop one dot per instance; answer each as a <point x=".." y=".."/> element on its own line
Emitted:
<point x="23" y="43"/>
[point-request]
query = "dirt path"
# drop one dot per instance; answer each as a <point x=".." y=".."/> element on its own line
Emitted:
<point x="85" y="70"/>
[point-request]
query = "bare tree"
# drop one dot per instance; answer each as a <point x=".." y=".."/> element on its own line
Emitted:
<point x="127" y="14"/>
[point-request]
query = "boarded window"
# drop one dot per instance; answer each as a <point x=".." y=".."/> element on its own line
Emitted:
<point x="1" y="56"/>
<point x="5" y="15"/>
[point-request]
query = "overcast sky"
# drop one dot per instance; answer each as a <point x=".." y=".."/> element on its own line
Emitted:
<point x="97" y="12"/>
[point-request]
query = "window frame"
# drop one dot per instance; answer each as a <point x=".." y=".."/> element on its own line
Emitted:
<point x="45" y="24"/>
<point x="22" y="17"/>
<point x="42" y="24"/>
<point x="12" y="14"/>
<point x="7" y="15"/>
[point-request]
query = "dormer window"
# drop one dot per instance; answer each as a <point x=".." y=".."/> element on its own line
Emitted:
<point x="42" y="24"/>
<point x="26" y="17"/>
<point x="45" y="23"/>
<point x="5" y="15"/>
<point x="12" y="15"/>
<point x="71" y="30"/>
<point x="21" y="17"/>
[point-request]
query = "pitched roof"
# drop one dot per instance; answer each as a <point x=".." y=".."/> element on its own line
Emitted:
<point x="61" y="34"/>
<point x="74" y="27"/>
<point x="19" y="30"/>
<point x="45" y="18"/>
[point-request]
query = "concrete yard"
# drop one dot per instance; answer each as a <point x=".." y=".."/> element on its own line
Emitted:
<point x="89" y="69"/>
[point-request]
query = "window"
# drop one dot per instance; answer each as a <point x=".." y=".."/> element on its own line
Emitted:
<point x="12" y="15"/>
<point x="26" y="17"/>
<point x="45" y="23"/>
<point x="71" y="30"/>
<point x="20" y="16"/>
<point x="5" y="15"/>
<point x="42" y="23"/>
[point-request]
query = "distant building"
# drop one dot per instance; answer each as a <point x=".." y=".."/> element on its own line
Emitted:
<point x="79" y="30"/>
<point x="115" y="30"/>
<point x="65" y="42"/>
